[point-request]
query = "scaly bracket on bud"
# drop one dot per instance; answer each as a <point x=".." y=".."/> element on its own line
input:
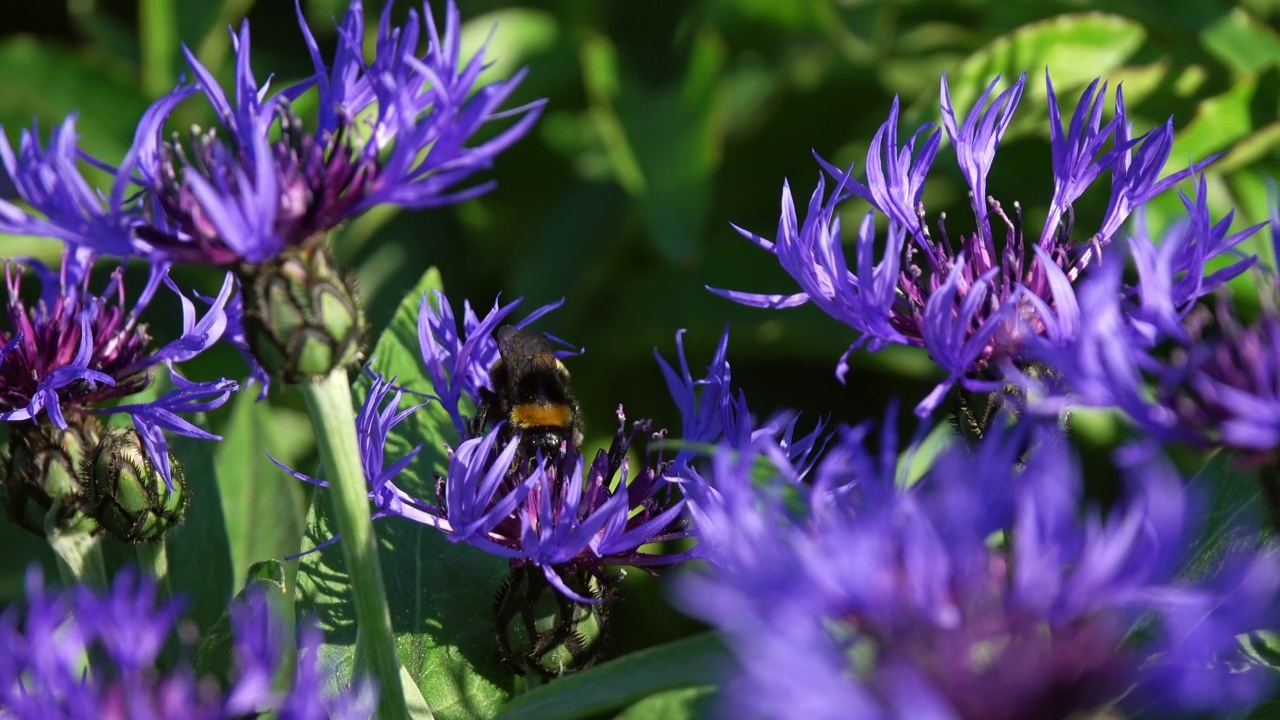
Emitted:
<point x="303" y="318"/>
<point x="128" y="495"/>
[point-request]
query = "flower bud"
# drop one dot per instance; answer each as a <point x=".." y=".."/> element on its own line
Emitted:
<point x="44" y="488"/>
<point x="128" y="495"/>
<point x="302" y="317"/>
<point x="542" y="632"/>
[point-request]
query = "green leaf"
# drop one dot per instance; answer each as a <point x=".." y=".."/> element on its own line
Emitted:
<point x="215" y="653"/>
<point x="1234" y="507"/>
<point x="1218" y="123"/>
<point x="199" y="551"/>
<point x="1076" y="48"/>
<point x="264" y="509"/>
<point x="1242" y="41"/>
<point x="440" y="594"/>
<point x="1263" y="648"/>
<point x="690" y="663"/>
<point x="686" y="704"/>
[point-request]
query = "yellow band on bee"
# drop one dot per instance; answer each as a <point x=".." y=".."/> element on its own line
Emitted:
<point x="537" y="415"/>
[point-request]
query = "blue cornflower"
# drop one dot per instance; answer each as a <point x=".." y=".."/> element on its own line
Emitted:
<point x="261" y="192"/>
<point x="391" y="130"/>
<point x="979" y="592"/>
<point x="1185" y="368"/>
<point x="567" y="514"/>
<point x="73" y="354"/>
<point x="84" y="653"/>
<point x="70" y="209"/>
<point x="974" y="303"/>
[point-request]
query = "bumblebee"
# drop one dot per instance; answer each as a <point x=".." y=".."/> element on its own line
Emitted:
<point x="531" y="392"/>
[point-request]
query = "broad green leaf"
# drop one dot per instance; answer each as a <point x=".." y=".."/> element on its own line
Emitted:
<point x="1076" y="48"/>
<point x="440" y="594"/>
<point x="690" y="663"/>
<point x="1233" y="515"/>
<point x="199" y="551"/>
<point x="265" y="509"/>
<point x="1263" y="648"/>
<point x="684" y="704"/>
<point x="1218" y="123"/>
<point x="1242" y="41"/>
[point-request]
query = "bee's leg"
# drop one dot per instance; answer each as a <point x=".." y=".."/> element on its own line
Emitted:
<point x="487" y="399"/>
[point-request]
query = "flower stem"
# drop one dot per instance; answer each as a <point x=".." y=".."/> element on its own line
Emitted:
<point x="158" y="37"/>
<point x="79" y="558"/>
<point x="154" y="558"/>
<point x="332" y="415"/>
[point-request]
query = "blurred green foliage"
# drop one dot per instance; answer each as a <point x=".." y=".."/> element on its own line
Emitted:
<point x="667" y="121"/>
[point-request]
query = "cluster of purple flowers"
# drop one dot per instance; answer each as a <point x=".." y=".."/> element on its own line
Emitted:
<point x="980" y="307"/>
<point x="74" y="353"/>
<point x="978" y="591"/>
<point x="391" y="130"/>
<point x="565" y="514"/>
<point x="84" y="653"/>
<point x="856" y="589"/>
<point x="1185" y="369"/>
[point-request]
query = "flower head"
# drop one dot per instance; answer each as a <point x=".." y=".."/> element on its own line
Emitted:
<point x="565" y="512"/>
<point x="973" y="302"/>
<point x="73" y="354"/>
<point x="980" y="591"/>
<point x="391" y="130"/>
<point x="1183" y="367"/>
<point x="83" y="653"/>
<point x="69" y="208"/>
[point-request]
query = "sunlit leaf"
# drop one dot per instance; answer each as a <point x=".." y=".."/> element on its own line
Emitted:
<point x="440" y="594"/>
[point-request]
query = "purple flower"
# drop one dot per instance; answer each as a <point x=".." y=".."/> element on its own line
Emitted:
<point x="972" y="303"/>
<point x="566" y="514"/>
<point x="391" y="130"/>
<point x="49" y="179"/>
<point x="83" y="653"/>
<point x="1183" y="369"/>
<point x="74" y="354"/>
<point x="979" y="591"/>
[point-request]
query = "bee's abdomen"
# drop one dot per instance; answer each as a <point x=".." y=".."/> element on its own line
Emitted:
<point x="541" y="415"/>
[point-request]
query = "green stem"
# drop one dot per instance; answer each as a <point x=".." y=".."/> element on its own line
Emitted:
<point x="332" y="415"/>
<point x="154" y="558"/>
<point x="158" y="36"/>
<point x="79" y="558"/>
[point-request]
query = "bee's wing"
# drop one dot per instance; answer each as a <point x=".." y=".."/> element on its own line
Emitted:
<point x="514" y="342"/>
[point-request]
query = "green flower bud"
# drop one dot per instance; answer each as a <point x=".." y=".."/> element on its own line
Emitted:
<point x="303" y="319"/>
<point x="541" y="632"/>
<point x="44" y="488"/>
<point x="128" y="495"/>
